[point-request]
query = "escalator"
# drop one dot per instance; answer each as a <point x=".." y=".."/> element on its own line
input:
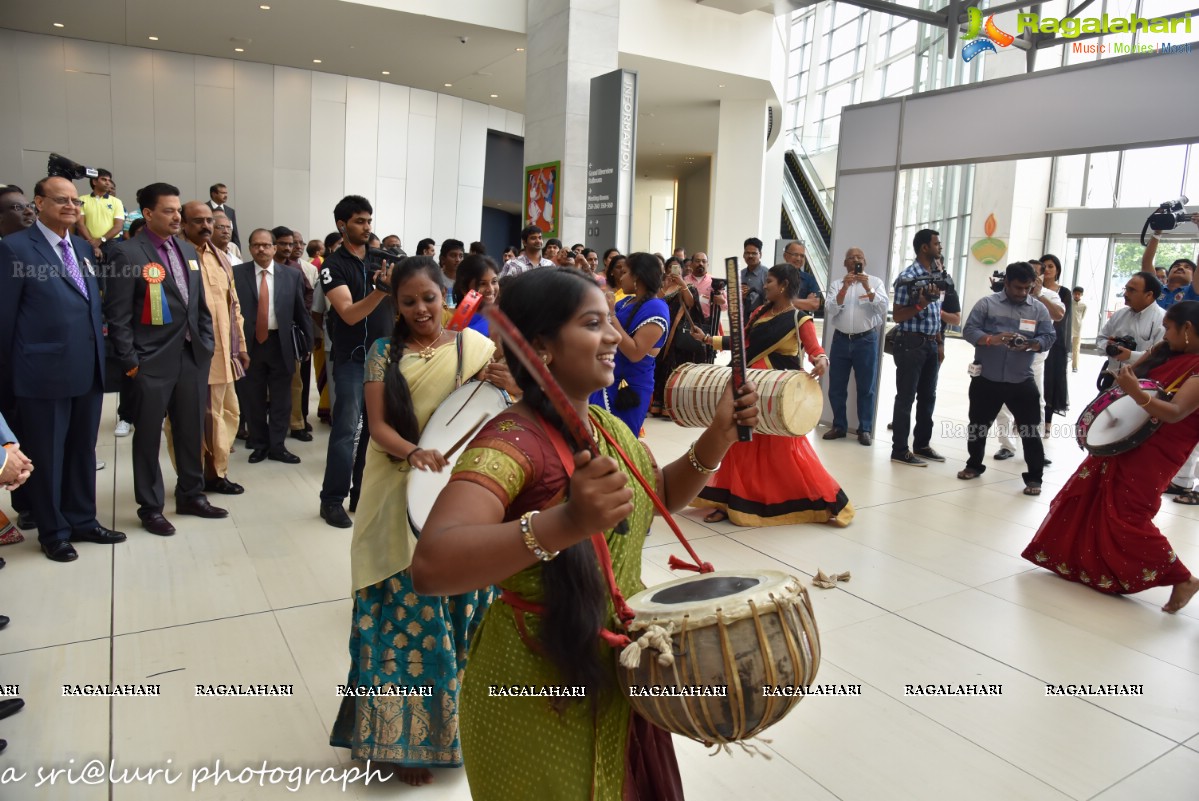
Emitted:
<point x="805" y="218"/>
<point x="812" y="193"/>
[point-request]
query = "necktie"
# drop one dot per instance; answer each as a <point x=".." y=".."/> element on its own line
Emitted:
<point x="264" y="309"/>
<point x="68" y="261"/>
<point x="177" y="271"/>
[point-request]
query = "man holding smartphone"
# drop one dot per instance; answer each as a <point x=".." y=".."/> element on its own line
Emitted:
<point x="856" y="308"/>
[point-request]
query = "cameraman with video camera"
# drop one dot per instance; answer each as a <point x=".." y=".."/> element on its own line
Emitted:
<point x="918" y="316"/>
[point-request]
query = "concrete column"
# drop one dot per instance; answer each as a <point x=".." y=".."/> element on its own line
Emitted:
<point x="738" y="170"/>
<point x="570" y="42"/>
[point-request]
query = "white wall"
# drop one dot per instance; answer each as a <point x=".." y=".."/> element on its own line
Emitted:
<point x="289" y="143"/>
<point x="651" y="198"/>
<point x="686" y="33"/>
<point x="691" y="215"/>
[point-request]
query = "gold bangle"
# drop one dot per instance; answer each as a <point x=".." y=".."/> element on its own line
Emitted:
<point x="699" y="468"/>
<point x="1146" y="403"/>
<point x="526" y="533"/>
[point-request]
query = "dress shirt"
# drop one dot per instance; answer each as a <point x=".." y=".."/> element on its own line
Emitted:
<point x="54" y="239"/>
<point x="927" y="321"/>
<point x="997" y="314"/>
<point x="522" y="264"/>
<point x="1078" y="311"/>
<point x="1053" y="299"/>
<point x="1171" y="296"/>
<point x="272" y="322"/>
<point x="227" y="324"/>
<point x="1145" y="326"/>
<point x="704" y="287"/>
<point x="234" y="253"/>
<point x="858" y="314"/>
<point x="756" y="281"/>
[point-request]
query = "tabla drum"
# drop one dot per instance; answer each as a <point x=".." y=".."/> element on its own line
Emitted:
<point x="742" y="646"/>
<point x="452" y="426"/>
<point x="789" y="401"/>
<point x="1113" y="423"/>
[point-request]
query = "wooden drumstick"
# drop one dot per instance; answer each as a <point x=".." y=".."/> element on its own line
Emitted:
<point x="483" y="418"/>
<point x="736" y="339"/>
<point x="469" y="398"/>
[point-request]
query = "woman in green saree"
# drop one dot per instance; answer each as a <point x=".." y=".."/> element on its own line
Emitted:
<point x="514" y="515"/>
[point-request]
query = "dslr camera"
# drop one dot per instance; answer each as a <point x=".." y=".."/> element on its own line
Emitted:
<point x="1167" y="216"/>
<point x="62" y="167"/>
<point x="719" y="284"/>
<point x="1113" y="348"/>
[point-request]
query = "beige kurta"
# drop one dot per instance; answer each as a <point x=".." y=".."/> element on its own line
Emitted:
<point x="222" y="297"/>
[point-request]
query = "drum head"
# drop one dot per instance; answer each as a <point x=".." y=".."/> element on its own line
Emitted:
<point x="462" y="414"/>
<point x="700" y="597"/>
<point x="1115" y="424"/>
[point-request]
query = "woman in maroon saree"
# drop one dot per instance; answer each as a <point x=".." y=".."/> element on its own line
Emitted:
<point x="1100" y="530"/>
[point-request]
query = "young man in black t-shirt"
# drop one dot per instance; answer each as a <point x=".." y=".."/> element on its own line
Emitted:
<point x="358" y="314"/>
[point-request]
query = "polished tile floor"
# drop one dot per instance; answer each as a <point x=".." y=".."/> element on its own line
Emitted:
<point x="938" y="595"/>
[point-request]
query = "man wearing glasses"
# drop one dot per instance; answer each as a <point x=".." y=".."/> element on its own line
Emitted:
<point x="808" y="298"/>
<point x="52" y="367"/>
<point x="16" y="213"/>
<point x="222" y="237"/>
<point x="1141" y="319"/>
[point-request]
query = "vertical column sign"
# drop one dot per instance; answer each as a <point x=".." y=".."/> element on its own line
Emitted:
<point x="611" y="157"/>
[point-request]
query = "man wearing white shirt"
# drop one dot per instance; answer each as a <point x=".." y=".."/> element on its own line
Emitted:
<point x="530" y="257"/>
<point x="855" y="308"/>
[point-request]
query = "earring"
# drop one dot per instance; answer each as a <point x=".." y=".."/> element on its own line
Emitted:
<point x="545" y="358"/>
<point x="1186" y="340"/>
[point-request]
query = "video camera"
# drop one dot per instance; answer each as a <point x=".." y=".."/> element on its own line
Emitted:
<point x="1167" y="216"/>
<point x="921" y="283"/>
<point x="719" y="284"/>
<point x="62" y="167"/>
<point x="998" y="280"/>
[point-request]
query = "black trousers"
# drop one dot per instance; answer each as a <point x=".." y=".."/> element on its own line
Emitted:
<point x="182" y="396"/>
<point x="266" y="391"/>
<point x="916" y="370"/>
<point x="305" y="368"/>
<point x="1024" y="402"/>
<point x="59" y="436"/>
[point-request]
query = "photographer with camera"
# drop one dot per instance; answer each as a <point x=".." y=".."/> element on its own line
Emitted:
<point x="1182" y="279"/>
<point x="918" y="316"/>
<point x="855" y="310"/>
<point x="1133" y="330"/>
<point x="359" y="312"/>
<point x="1007" y="330"/>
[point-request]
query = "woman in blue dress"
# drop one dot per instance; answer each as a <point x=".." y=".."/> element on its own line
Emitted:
<point x="481" y="274"/>
<point x="641" y="318"/>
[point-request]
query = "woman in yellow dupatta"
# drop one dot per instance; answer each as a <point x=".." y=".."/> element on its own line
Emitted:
<point x="400" y="639"/>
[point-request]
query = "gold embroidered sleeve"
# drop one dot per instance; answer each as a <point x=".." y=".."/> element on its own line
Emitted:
<point x="376" y="361"/>
<point x="497" y="466"/>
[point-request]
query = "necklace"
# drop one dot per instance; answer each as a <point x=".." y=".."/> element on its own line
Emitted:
<point x="426" y="352"/>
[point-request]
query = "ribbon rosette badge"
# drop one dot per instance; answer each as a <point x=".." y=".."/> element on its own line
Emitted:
<point x="991" y="36"/>
<point x="156" y="311"/>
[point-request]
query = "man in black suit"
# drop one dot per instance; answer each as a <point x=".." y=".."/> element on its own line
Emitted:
<point x="52" y="351"/>
<point x="268" y="333"/>
<point x="218" y="194"/>
<point x="161" y="331"/>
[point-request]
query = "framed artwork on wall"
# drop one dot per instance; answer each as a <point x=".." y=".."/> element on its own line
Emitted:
<point x="542" y="191"/>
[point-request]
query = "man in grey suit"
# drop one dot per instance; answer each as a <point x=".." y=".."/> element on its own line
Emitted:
<point x="217" y="195"/>
<point x="268" y="334"/>
<point x="161" y="331"/>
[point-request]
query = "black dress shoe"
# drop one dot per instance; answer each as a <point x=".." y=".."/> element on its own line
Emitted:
<point x="864" y="438"/>
<point x="242" y="433"/>
<point x="257" y="455"/>
<point x="99" y="535"/>
<point x="307" y="426"/>
<point x="284" y="455"/>
<point x="155" y="523"/>
<point x="334" y="515"/>
<point x="10" y="706"/>
<point x="2" y="563"/>
<point x="928" y="453"/>
<point x="223" y="486"/>
<point x="3" y="745"/>
<point x="200" y="507"/>
<point x="301" y="435"/>
<point x="26" y="521"/>
<point x="3" y="621"/>
<point x="834" y="433"/>
<point x="60" y="551"/>
<point x="1003" y="453"/>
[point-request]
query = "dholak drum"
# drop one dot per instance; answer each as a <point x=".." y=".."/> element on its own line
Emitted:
<point x="743" y="643"/>
<point x="1113" y="423"/>
<point x="452" y="426"/>
<point x="789" y="401"/>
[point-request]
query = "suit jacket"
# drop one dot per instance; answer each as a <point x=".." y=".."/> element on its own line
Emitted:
<point x="288" y="300"/>
<point x="6" y="434"/>
<point x="232" y="215"/>
<point x="51" y="336"/>
<point x="155" y="349"/>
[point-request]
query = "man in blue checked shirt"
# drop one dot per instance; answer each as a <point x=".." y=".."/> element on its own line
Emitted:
<point x="1007" y="329"/>
<point x="918" y="316"/>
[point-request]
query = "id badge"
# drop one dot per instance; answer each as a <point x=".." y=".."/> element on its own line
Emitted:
<point x="1028" y="326"/>
<point x="192" y="264"/>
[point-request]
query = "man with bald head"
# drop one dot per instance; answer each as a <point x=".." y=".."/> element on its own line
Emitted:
<point x="230" y="357"/>
<point x="52" y="367"/>
<point x="855" y="307"/>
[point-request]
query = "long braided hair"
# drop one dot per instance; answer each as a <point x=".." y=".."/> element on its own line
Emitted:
<point x="540" y="303"/>
<point x="398" y="409"/>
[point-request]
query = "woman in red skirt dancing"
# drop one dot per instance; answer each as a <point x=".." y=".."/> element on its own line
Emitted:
<point x="1100" y="530"/>
<point x="774" y="481"/>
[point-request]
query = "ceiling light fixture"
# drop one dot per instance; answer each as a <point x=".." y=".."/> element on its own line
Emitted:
<point x="239" y="50"/>
<point x="265" y="8"/>
<point x="59" y="25"/>
<point x="719" y="86"/>
<point x="495" y="95"/>
<point x="385" y="72"/>
<point x="153" y="38"/>
<point x="520" y="50"/>
<point x="448" y="85"/>
<point x="316" y="61"/>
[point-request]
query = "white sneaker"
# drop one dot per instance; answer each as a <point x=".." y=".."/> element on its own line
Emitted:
<point x="100" y="465"/>
<point x="123" y="429"/>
